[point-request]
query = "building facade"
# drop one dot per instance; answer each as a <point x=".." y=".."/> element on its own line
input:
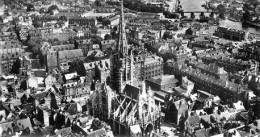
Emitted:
<point x="227" y="90"/>
<point x="10" y="52"/>
<point x="231" y="34"/>
<point x="83" y="21"/>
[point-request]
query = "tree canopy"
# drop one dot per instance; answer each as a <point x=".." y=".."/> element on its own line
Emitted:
<point x="30" y="7"/>
<point x="53" y="7"/>
<point x="246" y="16"/>
<point x="98" y="2"/>
<point x="142" y="7"/>
<point x="78" y="66"/>
<point x="167" y="35"/>
<point x="107" y="37"/>
<point x="168" y="14"/>
<point x="96" y="39"/>
<point x="189" y="31"/>
<point x="106" y="22"/>
<point x="33" y="46"/>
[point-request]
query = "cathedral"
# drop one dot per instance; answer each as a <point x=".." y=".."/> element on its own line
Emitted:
<point x="127" y="101"/>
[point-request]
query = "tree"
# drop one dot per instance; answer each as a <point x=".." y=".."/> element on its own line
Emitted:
<point x="192" y="15"/>
<point x="106" y="22"/>
<point x="246" y="16"/>
<point x="53" y="7"/>
<point x="96" y="39"/>
<point x="98" y="2"/>
<point x="71" y="40"/>
<point x="182" y="14"/>
<point x="114" y="35"/>
<point x="16" y="66"/>
<point x="35" y="50"/>
<point x="30" y="7"/>
<point x="167" y="35"/>
<point x="53" y="101"/>
<point x="167" y="14"/>
<point x="42" y="10"/>
<point x="99" y="19"/>
<point x="33" y="46"/>
<point x="221" y="15"/>
<point x="257" y="20"/>
<point x="211" y="15"/>
<point x="115" y="28"/>
<point x="189" y="31"/>
<point x="56" y="40"/>
<point x="37" y="24"/>
<point x="63" y="18"/>
<point x="221" y="8"/>
<point x="78" y="66"/>
<point x="107" y="37"/>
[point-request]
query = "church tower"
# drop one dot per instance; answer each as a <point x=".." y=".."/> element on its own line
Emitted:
<point x="121" y="62"/>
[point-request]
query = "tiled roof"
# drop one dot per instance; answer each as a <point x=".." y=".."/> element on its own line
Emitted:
<point x="193" y="120"/>
<point x="181" y="105"/>
<point x="67" y="54"/>
<point x="163" y="80"/>
<point x="201" y="133"/>
<point x="131" y="91"/>
<point x="98" y="133"/>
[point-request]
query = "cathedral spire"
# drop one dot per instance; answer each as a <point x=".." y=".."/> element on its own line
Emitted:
<point x="122" y="41"/>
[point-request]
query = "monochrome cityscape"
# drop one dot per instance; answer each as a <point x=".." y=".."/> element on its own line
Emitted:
<point x="129" y="68"/>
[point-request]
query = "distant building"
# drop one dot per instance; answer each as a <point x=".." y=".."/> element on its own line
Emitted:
<point x="114" y="21"/>
<point x="228" y="64"/>
<point x="66" y="56"/>
<point x="75" y="90"/>
<point x="83" y="21"/>
<point x="52" y="61"/>
<point x="98" y="69"/>
<point x="48" y="33"/>
<point x="227" y="90"/>
<point x="176" y="111"/>
<point x="2" y="7"/>
<point x="10" y="51"/>
<point x="150" y="17"/>
<point x="63" y="47"/>
<point x="231" y="34"/>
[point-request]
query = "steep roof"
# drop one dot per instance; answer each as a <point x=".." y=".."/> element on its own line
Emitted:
<point x="194" y="120"/>
<point x="180" y="103"/>
<point x="70" y="54"/>
<point x="131" y="91"/>
<point x="201" y="133"/>
<point x="98" y="133"/>
<point x="164" y="80"/>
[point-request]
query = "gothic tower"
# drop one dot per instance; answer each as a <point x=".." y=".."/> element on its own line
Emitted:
<point x="121" y="62"/>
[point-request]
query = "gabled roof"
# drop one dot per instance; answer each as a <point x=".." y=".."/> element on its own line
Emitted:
<point x="98" y="133"/>
<point x="193" y="120"/>
<point x="163" y="80"/>
<point x="131" y="91"/>
<point x="70" y="54"/>
<point x="201" y="133"/>
<point x="180" y="103"/>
